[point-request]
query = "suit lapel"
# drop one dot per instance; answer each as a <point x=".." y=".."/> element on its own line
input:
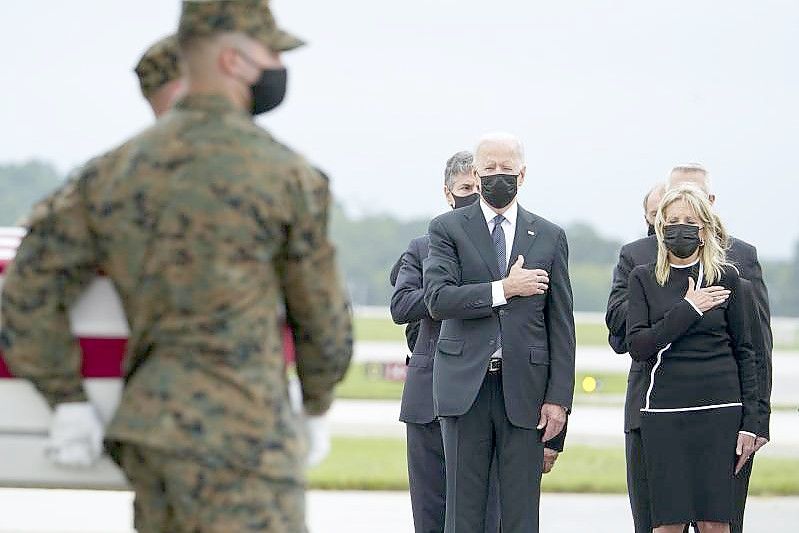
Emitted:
<point x="524" y="237"/>
<point x="476" y="228"/>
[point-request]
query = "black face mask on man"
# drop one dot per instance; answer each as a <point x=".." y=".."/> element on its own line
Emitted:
<point x="651" y="230"/>
<point x="499" y="190"/>
<point x="682" y="239"/>
<point x="270" y="88"/>
<point x="464" y="201"/>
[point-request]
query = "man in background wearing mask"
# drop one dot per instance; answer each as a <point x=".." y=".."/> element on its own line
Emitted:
<point x="642" y="252"/>
<point x="204" y="223"/>
<point x="460" y="189"/>
<point x="426" y="473"/>
<point x="651" y="203"/>
<point x="160" y="74"/>
<point x="503" y="380"/>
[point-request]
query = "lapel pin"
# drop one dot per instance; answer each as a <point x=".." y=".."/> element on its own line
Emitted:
<point x="531" y="233"/>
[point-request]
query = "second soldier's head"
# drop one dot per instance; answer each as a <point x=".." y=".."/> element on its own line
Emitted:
<point x="161" y="76"/>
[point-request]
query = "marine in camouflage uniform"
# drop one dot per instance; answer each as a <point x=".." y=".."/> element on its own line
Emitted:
<point x="204" y="223"/>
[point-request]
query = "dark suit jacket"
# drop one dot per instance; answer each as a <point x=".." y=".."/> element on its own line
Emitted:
<point x="538" y="342"/>
<point x="644" y="251"/>
<point x="412" y="328"/>
<point x="407" y="306"/>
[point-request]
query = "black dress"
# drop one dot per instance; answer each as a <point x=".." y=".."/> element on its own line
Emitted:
<point x="702" y="392"/>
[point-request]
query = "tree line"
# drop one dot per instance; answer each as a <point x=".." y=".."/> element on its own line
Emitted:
<point x="369" y="246"/>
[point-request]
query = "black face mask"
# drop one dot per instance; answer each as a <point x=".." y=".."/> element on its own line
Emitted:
<point x="681" y="239"/>
<point x="463" y="201"/>
<point x="499" y="190"/>
<point x="270" y="89"/>
<point x="651" y="230"/>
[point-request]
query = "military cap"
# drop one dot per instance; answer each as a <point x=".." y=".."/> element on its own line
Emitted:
<point x="159" y="65"/>
<point x="203" y="18"/>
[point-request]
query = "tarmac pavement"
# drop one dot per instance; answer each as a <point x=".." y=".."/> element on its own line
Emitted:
<point x="56" y="511"/>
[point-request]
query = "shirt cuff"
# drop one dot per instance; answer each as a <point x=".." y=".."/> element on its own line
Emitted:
<point x="497" y="294"/>
<point x="747" y="433"/>
<point x="695" y="307"/>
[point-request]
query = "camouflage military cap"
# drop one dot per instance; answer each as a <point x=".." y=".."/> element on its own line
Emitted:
<point x="202" y="18"/>
<point x="159" y="65"/>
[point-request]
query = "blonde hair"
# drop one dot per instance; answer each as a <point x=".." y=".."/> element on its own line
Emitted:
<point x="713" y="251"/>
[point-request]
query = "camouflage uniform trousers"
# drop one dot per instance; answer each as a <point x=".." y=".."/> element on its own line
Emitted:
<point x="176" y="494"/>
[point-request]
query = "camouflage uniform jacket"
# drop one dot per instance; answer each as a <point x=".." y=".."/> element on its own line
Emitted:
<point x="204" y="224"/>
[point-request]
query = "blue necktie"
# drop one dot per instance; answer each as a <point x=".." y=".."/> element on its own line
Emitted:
<point x="498" y="234"/>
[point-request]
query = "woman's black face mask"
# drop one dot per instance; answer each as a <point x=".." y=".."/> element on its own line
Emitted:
<point x="681" y="239"/>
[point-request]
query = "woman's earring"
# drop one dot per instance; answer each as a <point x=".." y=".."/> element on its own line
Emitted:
<point x="701" y="242"/>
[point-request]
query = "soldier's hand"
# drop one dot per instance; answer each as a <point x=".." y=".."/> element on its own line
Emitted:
<point x="76" y="435"/>
<point x="318" y="440"/>
<point x="525" y="282"/>
<point x="295" y="395"/>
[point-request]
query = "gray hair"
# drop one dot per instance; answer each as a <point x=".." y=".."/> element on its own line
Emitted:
<point x="659" y="188"/>
<point x="460" y="163"/>
<point x="692" y="168"/>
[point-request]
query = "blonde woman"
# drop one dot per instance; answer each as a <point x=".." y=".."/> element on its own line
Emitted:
<point x="687" y="317"/>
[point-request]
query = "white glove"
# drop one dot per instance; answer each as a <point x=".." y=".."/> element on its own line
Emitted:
<point x="318" y="439"/>
<point x="295" y="395"/>
<point x="76" y="435"/>
<point x="315" y="426"/>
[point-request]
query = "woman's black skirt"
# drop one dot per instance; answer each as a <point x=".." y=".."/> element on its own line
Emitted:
<point x="690" y="461"/>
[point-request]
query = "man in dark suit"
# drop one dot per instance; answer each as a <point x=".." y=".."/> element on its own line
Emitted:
<point x="644" y="251"/>
<point x="503" y="379"/>
<point x="412" y="327"/>
<point x="426" y="474"/>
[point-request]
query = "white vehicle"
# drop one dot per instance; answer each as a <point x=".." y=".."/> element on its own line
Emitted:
<point x="99" y="322"/>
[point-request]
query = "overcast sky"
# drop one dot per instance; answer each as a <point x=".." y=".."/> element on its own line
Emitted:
<point x="606" y="96"/>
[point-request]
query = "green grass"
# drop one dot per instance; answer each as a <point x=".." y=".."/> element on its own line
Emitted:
<point x="591" y="334"/>
<point x="363" y="464"/>
<point x="378" y="329"/>
<point x="383" y="329"/>
<point x="380" y="464"/>
<point x="365" y="382"/>
<point x="607" y="383"/>
<point x="787" y="346"/>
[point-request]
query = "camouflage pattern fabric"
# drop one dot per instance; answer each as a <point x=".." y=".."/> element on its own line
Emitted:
<point x="159" y="65"/>
<point x="203" y="18"/>
<point x="214" y="497"/>
<point x="204" y="224"/>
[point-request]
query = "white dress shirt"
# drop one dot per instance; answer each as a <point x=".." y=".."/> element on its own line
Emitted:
<point x="509" y="227"/>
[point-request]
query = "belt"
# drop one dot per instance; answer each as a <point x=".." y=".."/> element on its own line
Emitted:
<point x="494" y="365"/>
